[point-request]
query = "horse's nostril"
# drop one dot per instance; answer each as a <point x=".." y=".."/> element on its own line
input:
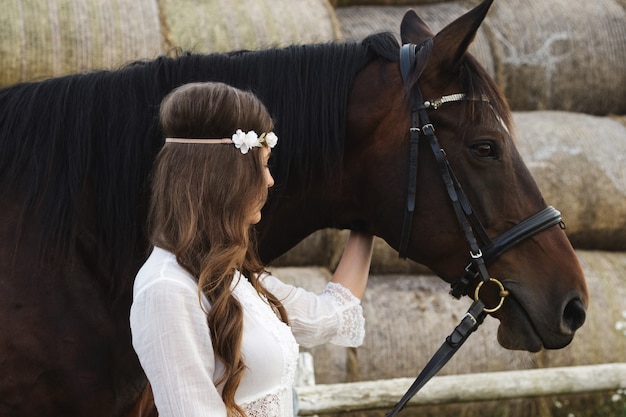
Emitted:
<point x="574" y="315"/>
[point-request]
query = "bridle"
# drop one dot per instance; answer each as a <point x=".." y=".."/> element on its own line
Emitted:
<point x="413" y="60"/>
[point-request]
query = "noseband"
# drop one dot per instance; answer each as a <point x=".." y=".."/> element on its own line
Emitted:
<point x="413" y="59"/>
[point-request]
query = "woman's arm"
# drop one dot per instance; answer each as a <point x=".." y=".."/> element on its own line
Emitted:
<point x="353" y="268"/>
<point x="335" y="315"/>
<point x="171" y="337"/>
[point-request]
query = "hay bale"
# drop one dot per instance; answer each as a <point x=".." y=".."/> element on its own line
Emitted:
<point x="561" y="55"/>
<point x="619" y="119"/>
<point x="357" y="22"/>
<point x="226" y="25"/>
<point x="408" y="317"/>
<point x="578" y="162"/>
<point x="42" y="39"/>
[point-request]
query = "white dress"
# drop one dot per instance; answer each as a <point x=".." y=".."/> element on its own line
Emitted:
<point x="171" y="337"/>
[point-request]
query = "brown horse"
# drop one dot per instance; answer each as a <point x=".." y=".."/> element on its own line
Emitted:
<point x="76" y="155"/>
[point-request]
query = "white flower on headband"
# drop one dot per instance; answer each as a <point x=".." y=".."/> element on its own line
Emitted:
<point x="244" y="141"/>
<point x="270" y="138"/>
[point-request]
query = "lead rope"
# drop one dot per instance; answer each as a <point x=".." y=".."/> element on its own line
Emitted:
<point x="470" y="322"/>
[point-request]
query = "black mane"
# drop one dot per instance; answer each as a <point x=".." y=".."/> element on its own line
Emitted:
<point x="86" y="142"/>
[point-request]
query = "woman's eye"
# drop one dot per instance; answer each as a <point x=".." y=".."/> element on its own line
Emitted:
<point x="485" y="150"/>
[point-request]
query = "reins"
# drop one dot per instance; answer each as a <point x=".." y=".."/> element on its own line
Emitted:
<point x="413" y="60"/>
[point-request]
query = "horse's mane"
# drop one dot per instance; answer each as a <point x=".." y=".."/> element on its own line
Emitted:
<point x="77" y="150"/>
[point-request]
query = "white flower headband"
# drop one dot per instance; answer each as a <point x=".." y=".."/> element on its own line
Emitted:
<point x="244" y="141"/>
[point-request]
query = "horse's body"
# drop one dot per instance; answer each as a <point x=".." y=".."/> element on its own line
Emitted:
<point x="76" y="155"/>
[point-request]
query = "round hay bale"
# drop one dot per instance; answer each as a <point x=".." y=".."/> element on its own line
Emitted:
<point x="578" y="162"/>
<point x="227" y="25"/>
<point x="358" y="22"/>
<point x="619" y="119"/>
<point x="42" y="39"/>
<point x="561" y="55"/>
<point x="408" y="318"/>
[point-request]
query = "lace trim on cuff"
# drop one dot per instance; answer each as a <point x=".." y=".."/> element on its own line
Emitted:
<point x="268" y="405"/>
<point x="351" y="328"/>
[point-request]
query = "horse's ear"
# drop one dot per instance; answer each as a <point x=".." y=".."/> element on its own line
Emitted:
<point x="453" y="41"/>
<point x="413" y="29"/>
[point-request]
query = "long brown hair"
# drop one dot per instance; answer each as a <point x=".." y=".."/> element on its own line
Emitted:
<point x="201" y="202"/>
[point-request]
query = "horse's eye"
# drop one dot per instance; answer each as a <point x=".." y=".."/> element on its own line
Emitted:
<point x="484" y="150"/>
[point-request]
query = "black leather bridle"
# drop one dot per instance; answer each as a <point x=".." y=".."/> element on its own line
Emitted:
<point x="413" y="60"/>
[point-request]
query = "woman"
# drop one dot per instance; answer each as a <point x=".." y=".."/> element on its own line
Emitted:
<point x="215" y="333"/>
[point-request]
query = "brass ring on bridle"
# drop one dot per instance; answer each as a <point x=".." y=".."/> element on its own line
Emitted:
<point x="503" y="294"/>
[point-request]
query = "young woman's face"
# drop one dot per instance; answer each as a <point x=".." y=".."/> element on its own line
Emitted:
<point x="269" y="181"/>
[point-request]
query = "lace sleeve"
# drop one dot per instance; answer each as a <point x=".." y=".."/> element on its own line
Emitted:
<point x="351" y="323"/>
<point x="333" y="316"/>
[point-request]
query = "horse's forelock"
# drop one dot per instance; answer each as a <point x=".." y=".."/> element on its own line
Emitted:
<point x="477" y="84"/>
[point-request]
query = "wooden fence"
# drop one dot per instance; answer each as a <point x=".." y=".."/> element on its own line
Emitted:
<point x="383" y="394"/>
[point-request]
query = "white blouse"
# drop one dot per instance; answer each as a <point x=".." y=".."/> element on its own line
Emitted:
<point x="171" y="337"/>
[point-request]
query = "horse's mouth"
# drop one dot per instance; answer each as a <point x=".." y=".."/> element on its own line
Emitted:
<point x="518" y="331"/>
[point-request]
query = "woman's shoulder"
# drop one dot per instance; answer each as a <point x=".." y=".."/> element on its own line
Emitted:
<point x="161" y="270"/>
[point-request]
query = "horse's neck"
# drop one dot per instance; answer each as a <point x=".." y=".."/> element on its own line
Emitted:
<point x="289" y="220"/>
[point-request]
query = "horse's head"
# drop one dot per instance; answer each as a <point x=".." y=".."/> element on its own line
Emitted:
<point x="473" y="125"/>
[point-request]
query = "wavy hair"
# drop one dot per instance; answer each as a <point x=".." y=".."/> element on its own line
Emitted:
<point x="201" y="202"/>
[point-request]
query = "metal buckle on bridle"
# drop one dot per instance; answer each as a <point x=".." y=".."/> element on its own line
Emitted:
<point x="428" y="129"/>
<point x="470" y="316"/>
